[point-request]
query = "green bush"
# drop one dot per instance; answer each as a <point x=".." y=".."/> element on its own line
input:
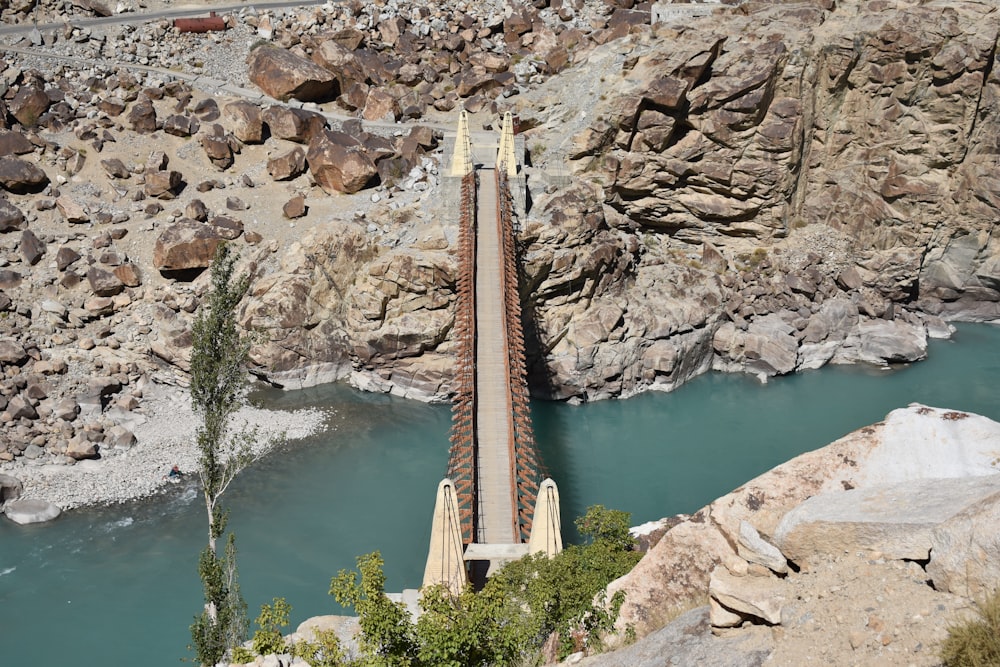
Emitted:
<point x="975" y="642"/>
<point x="324" y="651"/>
<point x="273" y="617"/>
<point x="508" y="621"/>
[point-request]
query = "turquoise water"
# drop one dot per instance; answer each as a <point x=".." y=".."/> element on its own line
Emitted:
<point x="119" y="587"/>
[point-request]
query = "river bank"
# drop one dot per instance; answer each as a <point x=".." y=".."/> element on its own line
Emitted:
<point x="164" y="428"/>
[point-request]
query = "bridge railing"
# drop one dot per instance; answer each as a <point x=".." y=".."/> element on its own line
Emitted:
<point x="527" y="467"/>
<point x="462" y="453"/>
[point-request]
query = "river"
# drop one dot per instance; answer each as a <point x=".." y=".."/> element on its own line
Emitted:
<point x="118" y="586"/>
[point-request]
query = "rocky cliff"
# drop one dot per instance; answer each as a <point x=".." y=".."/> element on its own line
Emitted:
<point x="801" y="185"/>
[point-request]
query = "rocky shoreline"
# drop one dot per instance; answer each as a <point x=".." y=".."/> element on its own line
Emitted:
<point x="164" y="429"/>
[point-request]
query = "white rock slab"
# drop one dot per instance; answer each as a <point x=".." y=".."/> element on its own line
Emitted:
<point x="31" y="511"/>
<point x="923" y="442"/>
<point x="898" y="520"/>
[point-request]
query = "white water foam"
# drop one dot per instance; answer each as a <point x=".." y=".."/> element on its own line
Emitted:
<point x="7" y="571"/>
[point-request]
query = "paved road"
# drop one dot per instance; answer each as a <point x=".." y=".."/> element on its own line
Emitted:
<point x="142" y="17"/>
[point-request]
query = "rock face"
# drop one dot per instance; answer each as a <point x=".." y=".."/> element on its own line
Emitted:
<point x="341" y="296"/>
<point x="739" y="160"/>
<point x="912" y="447"/>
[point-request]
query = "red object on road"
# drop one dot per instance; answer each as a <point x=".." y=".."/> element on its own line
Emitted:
<point x="206" y="24"/>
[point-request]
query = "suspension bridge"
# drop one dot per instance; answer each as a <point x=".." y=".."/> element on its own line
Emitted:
<point x="495" y="504"/>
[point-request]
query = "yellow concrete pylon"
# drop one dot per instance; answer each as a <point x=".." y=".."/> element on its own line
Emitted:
<point x="445" y="557"/>
<point x="546" y="524"/>
<point x="461" y="157"/>
<point x="506" y="155"/>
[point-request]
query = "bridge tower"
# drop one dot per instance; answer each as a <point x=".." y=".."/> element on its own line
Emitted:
<point x="496" y="503"/>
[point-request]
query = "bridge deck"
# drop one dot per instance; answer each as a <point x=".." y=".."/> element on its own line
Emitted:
<point x="497" y="505"/>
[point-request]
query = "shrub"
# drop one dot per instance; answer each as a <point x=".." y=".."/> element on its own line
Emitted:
<point x="975" y="642"/>
<point x="508" y="621"/>
<point x="273" y="617"/>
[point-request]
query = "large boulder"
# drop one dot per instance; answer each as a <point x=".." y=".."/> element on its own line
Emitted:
<point x="287" y="165"/>
<point x="31" y="511"/>
<point x="11" y="217"/>
<point x="898" y="520"/>
<point x="104" y="283"/>
<point x="186" y="244"/>
<point x="72" y="210"/>
<point x="296" y="125"/>
<point x="31" y="247"/>
<point x="13" y="142"/>
<point x="28" y="105"/>
<point x="245" y="121"/>
<point x="284" y="75"/>
<point x="338" y="163"/>
<point x="20" y="176"/>
<point x="142" y="117"/>
<point x="12" y="352"/>
<point x="964" y="550"/>
<point x="163" y="183"/>
<point x="218" y="146"/>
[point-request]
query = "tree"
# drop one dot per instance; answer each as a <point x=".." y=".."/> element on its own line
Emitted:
<point x="387" y="632"/>
<point x="218" y="390"/>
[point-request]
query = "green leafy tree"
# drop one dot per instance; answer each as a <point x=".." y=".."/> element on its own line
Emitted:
<point x="218" y="390"/>
<point x="388" y="636"/>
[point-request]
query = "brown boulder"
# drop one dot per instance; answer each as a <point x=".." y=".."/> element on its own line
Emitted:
<point x="20" y="176"/>
<point x="12" y="352"/>
<point x="72" y="211"/>
<point x="163" y="184"/>
<point x="186" y="244"/>
<point x="28" y="105"/>
<point x="338" y="167"/>
<point x="142" y="117"/>
<point x="380" y="105"/>
<point x="180" y="125"/>
<point x="128" y="274"/>
<point x="13" y="142"/>
<point x="113" y="106"/>
<point x="80" y="448"/>
<point x="11" y="217"/>
<point x="246" y="121"/>
<point x="218" y="147"/>
<point x="295" y="125"/>
<point x="31" y="247"/>
<point x="284" y="75"/>
<point x="115" y="168"/>
<point x="20" y="407"/>
<point x="287" y="165"/>
<point x="342" y="62"/>
<point x="104" y="283"/>
<point x="226" y="227"/>
<point x="294" y="207"/>
<point x="196" y="210"/>
<point x="66" y="256"/>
